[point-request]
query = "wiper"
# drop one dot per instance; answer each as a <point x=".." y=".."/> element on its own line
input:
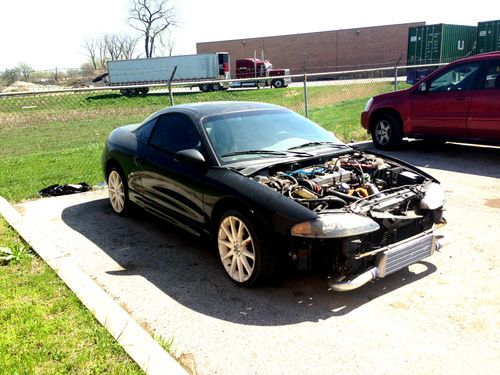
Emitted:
<point x="318" y="143"/>
<point x="249" y="152"/>
<point x="267" y="152"/>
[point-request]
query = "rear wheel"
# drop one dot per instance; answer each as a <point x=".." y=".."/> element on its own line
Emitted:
<point x="205" y="88"/>
<point x="387" y="132"/>
<point x="118" y="192"/>
<point x="241" y="250"/>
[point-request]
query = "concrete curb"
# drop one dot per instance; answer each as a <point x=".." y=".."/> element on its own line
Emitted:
<point x="139" y="345"/>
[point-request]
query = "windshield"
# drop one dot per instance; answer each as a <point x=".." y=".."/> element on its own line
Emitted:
<point x="260" y="134"/>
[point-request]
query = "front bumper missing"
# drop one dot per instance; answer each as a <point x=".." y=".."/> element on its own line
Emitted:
<point x="391" y="259"/>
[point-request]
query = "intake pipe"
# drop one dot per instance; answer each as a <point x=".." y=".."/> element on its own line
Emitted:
<point x="355" y="281"/>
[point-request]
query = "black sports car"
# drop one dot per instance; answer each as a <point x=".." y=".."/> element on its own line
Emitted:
<point x="272" y="188"/>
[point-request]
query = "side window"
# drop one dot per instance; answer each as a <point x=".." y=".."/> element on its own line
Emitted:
<point x="492" y="79"/>
<point x="458" y="78"/>
<point x="144" y="131"/>
<point x="175" y="132"/>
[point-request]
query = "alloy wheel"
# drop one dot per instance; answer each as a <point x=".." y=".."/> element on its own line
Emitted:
<point x="116" y="190"/>
<point x="383" y="132"/>
<point x="236" y="248"/>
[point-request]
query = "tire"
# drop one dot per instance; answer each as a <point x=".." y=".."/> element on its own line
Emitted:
<point x="241" y="250"/>
<point x="278" y="83"/>
<point x="118" y="192"/>
<point x="387" y="132"/>
<point x="126" y="92"/>
<point x="143" y="90"/>
<point x="216" y="87"/>
<point x="205" y="88"/>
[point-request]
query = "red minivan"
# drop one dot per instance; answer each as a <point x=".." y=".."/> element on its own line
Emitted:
<point x="460" y="102"/>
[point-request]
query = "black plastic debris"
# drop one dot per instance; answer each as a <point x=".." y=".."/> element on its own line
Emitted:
<point x="57" y="190"/>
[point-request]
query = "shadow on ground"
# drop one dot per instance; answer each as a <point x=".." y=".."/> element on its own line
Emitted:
<point x="185" y="269"/>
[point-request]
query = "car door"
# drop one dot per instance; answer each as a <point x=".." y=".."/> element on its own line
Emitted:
<point x="441" y="104"/>
<point x="171" y="189"/>
<point x="484" y="115"/>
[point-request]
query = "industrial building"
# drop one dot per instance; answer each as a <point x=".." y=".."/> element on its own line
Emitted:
<point x="326" y="51"/>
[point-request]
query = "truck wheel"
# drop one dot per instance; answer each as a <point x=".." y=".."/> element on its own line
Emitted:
<point x="205" y="88"/>
<point x="387" y="132"/>
<point x="143" y="90"/>
<point x="216" y="87"/>
<point x="126" y="92"/>
<point x="278" y="83"/>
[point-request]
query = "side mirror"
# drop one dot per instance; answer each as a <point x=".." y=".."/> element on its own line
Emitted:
<point x="191" y="157"/>
<point x="422" y="87"/>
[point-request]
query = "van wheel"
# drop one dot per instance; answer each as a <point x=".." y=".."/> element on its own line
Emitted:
<point x="387" y="132"/>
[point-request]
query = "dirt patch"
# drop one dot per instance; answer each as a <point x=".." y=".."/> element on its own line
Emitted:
<point x="21" y="86"/>
<point x="494" y="203"/>
<point x="340" y="94"/>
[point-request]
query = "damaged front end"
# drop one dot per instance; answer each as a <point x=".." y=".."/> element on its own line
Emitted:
<point x="375" y="216"/>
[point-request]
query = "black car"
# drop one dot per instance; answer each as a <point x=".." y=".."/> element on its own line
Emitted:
<point x="272" y="188"/>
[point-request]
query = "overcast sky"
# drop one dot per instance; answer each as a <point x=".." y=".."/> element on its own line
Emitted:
<point x="49" y="33"/>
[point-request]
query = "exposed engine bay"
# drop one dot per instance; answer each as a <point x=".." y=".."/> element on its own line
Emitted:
<point x="399" y="203"/>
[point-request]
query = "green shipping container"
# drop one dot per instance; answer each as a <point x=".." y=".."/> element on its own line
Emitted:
<point x="441" y="43"/>
<point x="488" y="36"/>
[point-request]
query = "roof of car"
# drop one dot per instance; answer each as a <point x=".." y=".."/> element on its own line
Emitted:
<point x="213" y="108"/>
<point x="481" y="56"/>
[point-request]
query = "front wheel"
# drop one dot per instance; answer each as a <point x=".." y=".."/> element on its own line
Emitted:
<point x="387" y="132"/>
<point x="278" y="83"/>
<point x="240" y="249"/>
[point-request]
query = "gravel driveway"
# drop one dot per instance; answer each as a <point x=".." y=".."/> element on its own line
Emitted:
<point x="440" y="316"/>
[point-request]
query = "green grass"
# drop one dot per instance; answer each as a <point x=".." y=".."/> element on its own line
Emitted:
<point x="44" y="328"/>
<point x="339" y="119"/>
<point x="58" y="139"/>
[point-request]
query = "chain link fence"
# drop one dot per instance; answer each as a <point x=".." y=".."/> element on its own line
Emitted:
<point x="56" y="136"/>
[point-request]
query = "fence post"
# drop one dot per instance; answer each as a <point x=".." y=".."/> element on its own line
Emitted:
<point x="170" y="94"/>
<point x="306" y="99"/>
<point x="396" y="73"/>
<point x="396" y="78"/>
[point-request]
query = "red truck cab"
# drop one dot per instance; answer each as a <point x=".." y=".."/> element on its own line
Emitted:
<point x="257" y="68"/>
<point x="460" y="101"/>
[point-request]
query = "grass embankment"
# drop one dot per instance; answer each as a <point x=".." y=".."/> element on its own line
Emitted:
<point x="58" y="139"/>
<point x="44" y="329"/>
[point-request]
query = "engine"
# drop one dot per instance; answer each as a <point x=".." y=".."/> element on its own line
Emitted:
<point x="342" y="181"/>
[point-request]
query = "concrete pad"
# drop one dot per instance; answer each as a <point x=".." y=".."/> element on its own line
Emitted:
<point x="141" y="347"/>
<point x="438" y="316"/>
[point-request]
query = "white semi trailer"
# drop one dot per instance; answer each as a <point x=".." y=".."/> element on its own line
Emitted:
<point x="141" y="72"/>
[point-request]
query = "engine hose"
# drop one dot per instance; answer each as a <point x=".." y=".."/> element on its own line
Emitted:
<point x="344" y="196"/>
<point x="325" y="200"/>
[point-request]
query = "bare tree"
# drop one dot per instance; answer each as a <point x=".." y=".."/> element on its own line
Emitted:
<point x="90" y="47"/>
<point x="151" y="18"/>
<point x="166" y="43"/>
<point x="25" y="71"/>
<point x="128" y="45"/>
<point x="112" y="44"/>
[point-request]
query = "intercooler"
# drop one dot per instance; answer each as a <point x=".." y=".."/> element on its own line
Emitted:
<point x="405" y="253"/>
